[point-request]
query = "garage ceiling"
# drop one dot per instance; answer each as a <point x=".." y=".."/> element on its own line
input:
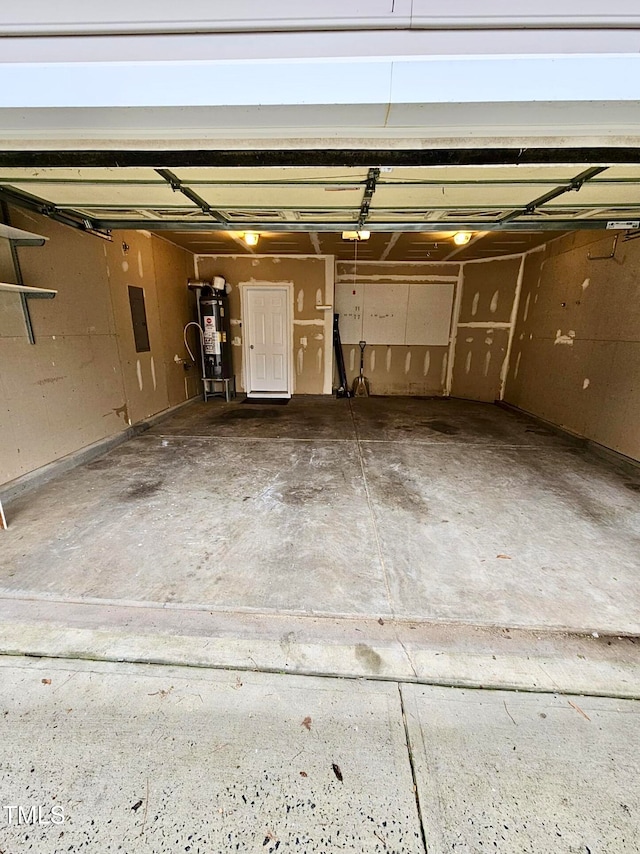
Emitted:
<point x="412" y="211"/>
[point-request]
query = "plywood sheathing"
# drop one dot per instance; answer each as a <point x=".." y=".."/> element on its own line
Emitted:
<point x="79" y="383"/>
<point x="308" y="275"/>
<point x="576" y="350"/>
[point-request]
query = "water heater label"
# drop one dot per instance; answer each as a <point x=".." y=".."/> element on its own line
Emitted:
<point x="211" y="342"/>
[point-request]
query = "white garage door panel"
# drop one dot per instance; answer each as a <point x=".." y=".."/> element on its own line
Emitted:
<point x="429" y="314"/>
<point x="385" y="313"/>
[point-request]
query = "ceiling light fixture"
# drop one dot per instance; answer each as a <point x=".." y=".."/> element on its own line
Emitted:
<point x="251" y="238"/>
<point x="356" y="235"/>
<point x="461" y="238"/>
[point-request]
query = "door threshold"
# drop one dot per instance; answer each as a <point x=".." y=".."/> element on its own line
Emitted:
<point x="268" y="395"/>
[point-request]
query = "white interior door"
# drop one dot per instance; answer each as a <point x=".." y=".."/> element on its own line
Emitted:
<point x="268" y="350"/>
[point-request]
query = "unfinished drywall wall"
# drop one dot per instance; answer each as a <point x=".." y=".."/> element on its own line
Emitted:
<point x="576" y="351"/>
<point x="130" y="261"/>
<point x="176" y="306"/>
<point x="312" y="278"/>
<point x="487" y="300"/>
<point x="80" y="382"/>
<point x="399" y="369"/>
<point x="473" y="364"/>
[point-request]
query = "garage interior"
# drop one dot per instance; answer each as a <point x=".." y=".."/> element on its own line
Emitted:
<point x="240" y="608"/>
<point x="490" y="481"/>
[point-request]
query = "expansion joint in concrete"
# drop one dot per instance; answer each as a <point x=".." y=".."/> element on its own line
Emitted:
<point x="374" y="525"/>
<point x="414" y="776"/>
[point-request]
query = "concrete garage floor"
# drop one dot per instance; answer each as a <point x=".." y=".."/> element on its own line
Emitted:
<point x="404" y="541"/>
<point x="422" y="510"/>
<point x="165" y="759"/>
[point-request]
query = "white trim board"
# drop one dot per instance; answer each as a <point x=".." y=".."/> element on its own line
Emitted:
<point x="268" y="395"/>
<point x="329" y="298"/>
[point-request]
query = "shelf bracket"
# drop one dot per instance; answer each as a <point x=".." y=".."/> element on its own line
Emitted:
<point x="17" y="237"/>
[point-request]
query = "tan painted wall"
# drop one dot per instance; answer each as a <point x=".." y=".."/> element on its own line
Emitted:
<point x="310" y="331"/>
<point x="79" y="382"/>
<point x="483" y="326"/>
<point x="576" y="351"/>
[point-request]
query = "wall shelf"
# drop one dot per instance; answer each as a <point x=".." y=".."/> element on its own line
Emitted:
<point x="20" y="237"/>
<point x="31" y="293"/>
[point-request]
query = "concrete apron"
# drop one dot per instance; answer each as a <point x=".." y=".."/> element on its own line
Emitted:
<point x="137" y="758"/>
<point x="390" y="650"/>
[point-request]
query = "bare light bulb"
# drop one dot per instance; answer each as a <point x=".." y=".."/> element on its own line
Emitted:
<point x="460" y="238"/>
<point x="356" y="235"/>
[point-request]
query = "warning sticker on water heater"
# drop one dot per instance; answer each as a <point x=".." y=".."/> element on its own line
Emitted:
<point x="211" y="339"/>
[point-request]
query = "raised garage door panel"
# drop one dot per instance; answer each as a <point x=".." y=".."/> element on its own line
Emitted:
<point x="429" y="314"/>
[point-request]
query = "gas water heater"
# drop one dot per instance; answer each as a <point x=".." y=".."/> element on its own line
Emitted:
<point x="215" y="334"/>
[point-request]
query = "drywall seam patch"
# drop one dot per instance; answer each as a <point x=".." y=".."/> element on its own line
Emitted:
<point x="504" y="371"/>
<point x="347" y="278"/>
<point x="485" y="324"/>
<point x="454" y="331"/>
<point x="567" y="339"/>
<point x="492" y="259"/>
<point x="364" y="264"/>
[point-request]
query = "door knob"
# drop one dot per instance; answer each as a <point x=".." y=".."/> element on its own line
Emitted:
<point x="251" y="346"/>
